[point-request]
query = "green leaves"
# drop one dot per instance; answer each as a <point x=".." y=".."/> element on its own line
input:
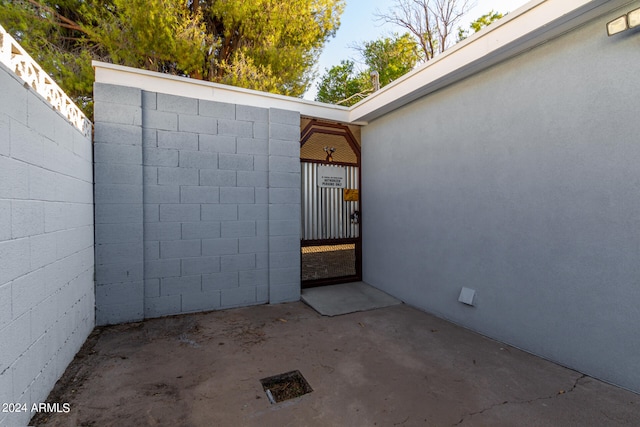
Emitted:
<point x="431" y="22"/>
<point x="158" y="35"/>
<point x="277" y="41"/>
<point x="268" y="45"/>
<point x="340" y="83"/>
<point x="391" y="57"/>
<point x="54" y="41"/>
<point x="483" y="21"/>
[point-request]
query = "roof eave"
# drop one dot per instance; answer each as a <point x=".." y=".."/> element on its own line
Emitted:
<point x="533" y="24"/>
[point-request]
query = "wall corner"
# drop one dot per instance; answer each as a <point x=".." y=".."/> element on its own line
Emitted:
<point x="119" y="249"/>
<point x="284" y="206"/>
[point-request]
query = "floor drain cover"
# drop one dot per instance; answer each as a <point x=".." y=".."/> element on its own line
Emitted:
<point x="285" y="386"/>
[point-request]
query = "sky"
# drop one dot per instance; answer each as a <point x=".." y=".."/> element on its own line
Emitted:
<point x="358" y="25"/>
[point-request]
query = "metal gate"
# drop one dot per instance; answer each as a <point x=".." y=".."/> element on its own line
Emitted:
<point x="326" y="215"/>
<point x="330" y="219"/>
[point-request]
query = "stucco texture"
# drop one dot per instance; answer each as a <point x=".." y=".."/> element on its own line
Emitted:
<point x="520" y="182"/>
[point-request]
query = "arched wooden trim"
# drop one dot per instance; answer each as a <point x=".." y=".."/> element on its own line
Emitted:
<point x="316" y="126"/>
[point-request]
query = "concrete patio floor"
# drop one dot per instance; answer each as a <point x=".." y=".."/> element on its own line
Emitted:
<point x="394" y="366"/>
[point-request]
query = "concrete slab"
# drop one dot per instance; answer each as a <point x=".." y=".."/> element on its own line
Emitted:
<point x="385" y="367"/>
<point x="346" y="298"/>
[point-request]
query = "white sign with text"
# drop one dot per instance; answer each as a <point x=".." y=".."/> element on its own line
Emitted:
<point x="331" y="177"/>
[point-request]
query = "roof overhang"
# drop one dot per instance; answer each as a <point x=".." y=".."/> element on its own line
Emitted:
<point x="531" y="25"/>
<point x="535" y="23"/>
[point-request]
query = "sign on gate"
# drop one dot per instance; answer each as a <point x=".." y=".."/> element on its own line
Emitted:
<point x="351" y="195"/>
<point x="331" y="177"/>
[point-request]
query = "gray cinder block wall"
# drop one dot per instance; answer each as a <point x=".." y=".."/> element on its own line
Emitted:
<point x="520" y="182"/>
<point x="197" y="204"/>
<point x="46" y="245"/>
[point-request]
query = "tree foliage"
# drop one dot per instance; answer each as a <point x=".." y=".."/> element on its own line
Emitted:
<point x="391" y="57"/>
<point x="267" y="45"/>
<point x="477" y="25"/>
<point x="431" y="22"/>
<point x="342" y="83"/>
<point x="56" y="44"/>
<point x="270" y="45"/>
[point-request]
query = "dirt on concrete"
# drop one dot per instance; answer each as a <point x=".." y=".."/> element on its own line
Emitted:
<point x="395" y="366"/>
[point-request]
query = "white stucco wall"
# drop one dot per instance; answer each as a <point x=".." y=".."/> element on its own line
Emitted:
<point x="520" y="182"/>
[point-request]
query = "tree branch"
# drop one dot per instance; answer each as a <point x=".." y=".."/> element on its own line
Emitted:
<point x="61" y="20"/>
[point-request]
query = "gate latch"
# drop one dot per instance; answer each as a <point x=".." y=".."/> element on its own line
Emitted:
<point x="355" y="217"/>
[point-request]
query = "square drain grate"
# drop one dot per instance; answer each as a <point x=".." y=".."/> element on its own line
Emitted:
<point x="285" y="386"/>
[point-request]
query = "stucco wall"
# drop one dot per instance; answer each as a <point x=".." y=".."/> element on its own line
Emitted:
<point x="197" y="204"/>
<point x="46" y="246"/>
<point x="522" y="183"/>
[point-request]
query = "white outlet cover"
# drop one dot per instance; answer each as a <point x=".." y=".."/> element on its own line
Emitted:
<point x="466" y="296"/>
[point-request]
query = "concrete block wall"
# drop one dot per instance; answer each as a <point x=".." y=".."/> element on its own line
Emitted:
<point x="198" y="203"/>
<point x="284" y="206"/>
<point x="118" y="204"/>
<point x="46" y="245"/>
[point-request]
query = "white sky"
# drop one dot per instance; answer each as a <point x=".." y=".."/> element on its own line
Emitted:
<point x="358" y="25"/>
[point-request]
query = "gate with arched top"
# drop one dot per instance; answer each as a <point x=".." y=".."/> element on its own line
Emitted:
<point x="330" y="206"/>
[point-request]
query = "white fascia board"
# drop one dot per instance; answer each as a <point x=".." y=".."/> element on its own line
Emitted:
<point x="183" y="86"/>
<point x="533" y="24"/>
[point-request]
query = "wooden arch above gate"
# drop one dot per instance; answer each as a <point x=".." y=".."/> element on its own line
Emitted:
<point x="325" y="142"/>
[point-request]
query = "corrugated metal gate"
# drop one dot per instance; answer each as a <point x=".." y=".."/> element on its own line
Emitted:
<point x="325" y="212"/>
<point x="330" y="217"/>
